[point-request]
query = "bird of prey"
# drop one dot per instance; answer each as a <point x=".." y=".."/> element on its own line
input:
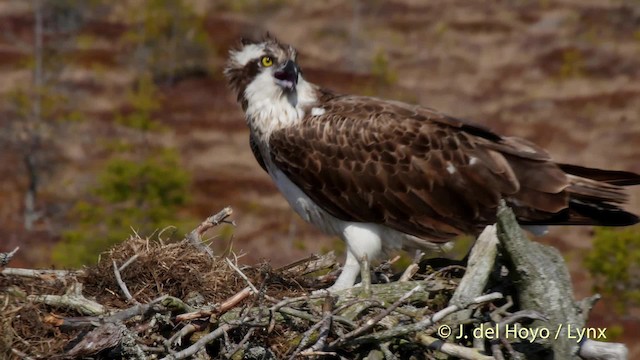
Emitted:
<point x="386" y="175"/>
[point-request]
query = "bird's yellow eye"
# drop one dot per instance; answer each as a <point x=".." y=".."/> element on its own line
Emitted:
<point x="266" y="61"/>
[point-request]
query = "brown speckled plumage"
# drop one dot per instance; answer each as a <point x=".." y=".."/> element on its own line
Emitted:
<point x="371" y="160"/>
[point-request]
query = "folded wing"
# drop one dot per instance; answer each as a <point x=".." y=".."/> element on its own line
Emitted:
<point x="429" y="175"/>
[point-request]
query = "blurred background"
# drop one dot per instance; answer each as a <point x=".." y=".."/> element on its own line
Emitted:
<point x="115" y="117"/>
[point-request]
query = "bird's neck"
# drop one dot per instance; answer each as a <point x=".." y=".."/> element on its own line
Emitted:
<point x="268" y="114"/>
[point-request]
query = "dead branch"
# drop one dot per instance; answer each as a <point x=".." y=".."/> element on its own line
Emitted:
<point x="544" y="285"/>
<point x="479" y="267"/>
<point x="177" y="337"/>
<point x="21" y="355"/>
<point x="122" y="284"/>
<point x="195" y="236"/>
<point x="120" y="316"/>
<point x="325" y="328"/>
<point x="103" y="337"/>
<point x="306" y="336"/>
<point x="128" y="262"/>
<point x="228" y="304"/>
<point x="413" y="268"/>
<point x="310" y="264"/>
<point x="598" y="350"/>
<point x="42" y="274"/>
<point x="72" y="299"/>
<point x="241" y="345"/>
<point x="365" y="275"/>
<point x="193" y="349"/>
<point x="6" y="257"/>
<point x="452" y="349"/>
<point x="242" y="275"/>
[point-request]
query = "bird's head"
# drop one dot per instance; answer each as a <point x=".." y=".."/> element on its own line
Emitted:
<point x="264" y="70"/>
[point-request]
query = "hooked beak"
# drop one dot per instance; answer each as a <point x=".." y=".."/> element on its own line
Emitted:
<point x="287" y="75"/>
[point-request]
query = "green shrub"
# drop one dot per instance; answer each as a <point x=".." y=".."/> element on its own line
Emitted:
<point x="144" y="98"/>
<point x="141" y="196"/>
<point x="614" y="262"/>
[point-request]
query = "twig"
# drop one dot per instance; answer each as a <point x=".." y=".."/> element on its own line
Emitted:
<point x="318" y="353"/>
<point x="139" y="309"/>
<point x="121" y="284"/>
<point x="325" y="328"/>
<point x="195" y="236"/>
<point x="305" y="339"/>
<point x="153" y="349"/>
<point x="128" y="262"/>
<point x="321" y="354"/>
<point x="241" y="344"/>
<point x="21" y="355"/>
<point x="242" y="275"/>
<point x="365" y="274"/>
<point x="413" y="268"/>
<point x="443" y="270"/>
<point x="6" y="257"/>
<point x="193" y="349"/>
<point x="452" y="349"/>
<point x="502" y="310"/>
<point x="101" y="338"/>
<point x="177" y="337"/>
<point x="422" y="324"/>
<point x="521" y="315"/>
<point x="195" y="315"/>
<point x="72" y="299"/>
<point x="310" y="264"/>
<point x="285" y="302"/>
<point x="373" y="321"/>
<point x="223" y="308"/>
<point x="479" y="267"/>
<point x="388" y="355"/>
<point x="233" y="301"/>
<point x="592" y="349"/>
<point x="298" y="313"/>
<point x="40" y="273"/>
<point x="495" y="350"/>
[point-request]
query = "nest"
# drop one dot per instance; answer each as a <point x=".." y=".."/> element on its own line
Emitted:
<point x="154" y="300"/>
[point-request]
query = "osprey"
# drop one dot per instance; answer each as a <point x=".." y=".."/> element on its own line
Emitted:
<point x="386" y="175"/>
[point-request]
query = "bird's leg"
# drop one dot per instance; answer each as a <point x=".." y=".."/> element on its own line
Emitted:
<point x="350" y="272"/>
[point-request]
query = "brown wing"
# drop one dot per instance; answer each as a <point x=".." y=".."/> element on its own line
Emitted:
<point x="416" y="170"/>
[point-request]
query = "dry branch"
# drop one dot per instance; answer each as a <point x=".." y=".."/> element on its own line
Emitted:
<point x="123" y="286"/>
<point x="452" y="349"/>
<point x="479" y="267"/>
<point x="544" y="286"/>
<point x="120" y="316"/>
<point x="195" y="236"/>
<point x="193" y="349"/>
<point x="72" y="299"/>
<point x="6" y="257"/>
<point x="44" y="274"/>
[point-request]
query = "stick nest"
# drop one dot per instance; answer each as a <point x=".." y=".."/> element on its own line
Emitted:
<point x="272" y="323"/>
<point x="155" y="300"/>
